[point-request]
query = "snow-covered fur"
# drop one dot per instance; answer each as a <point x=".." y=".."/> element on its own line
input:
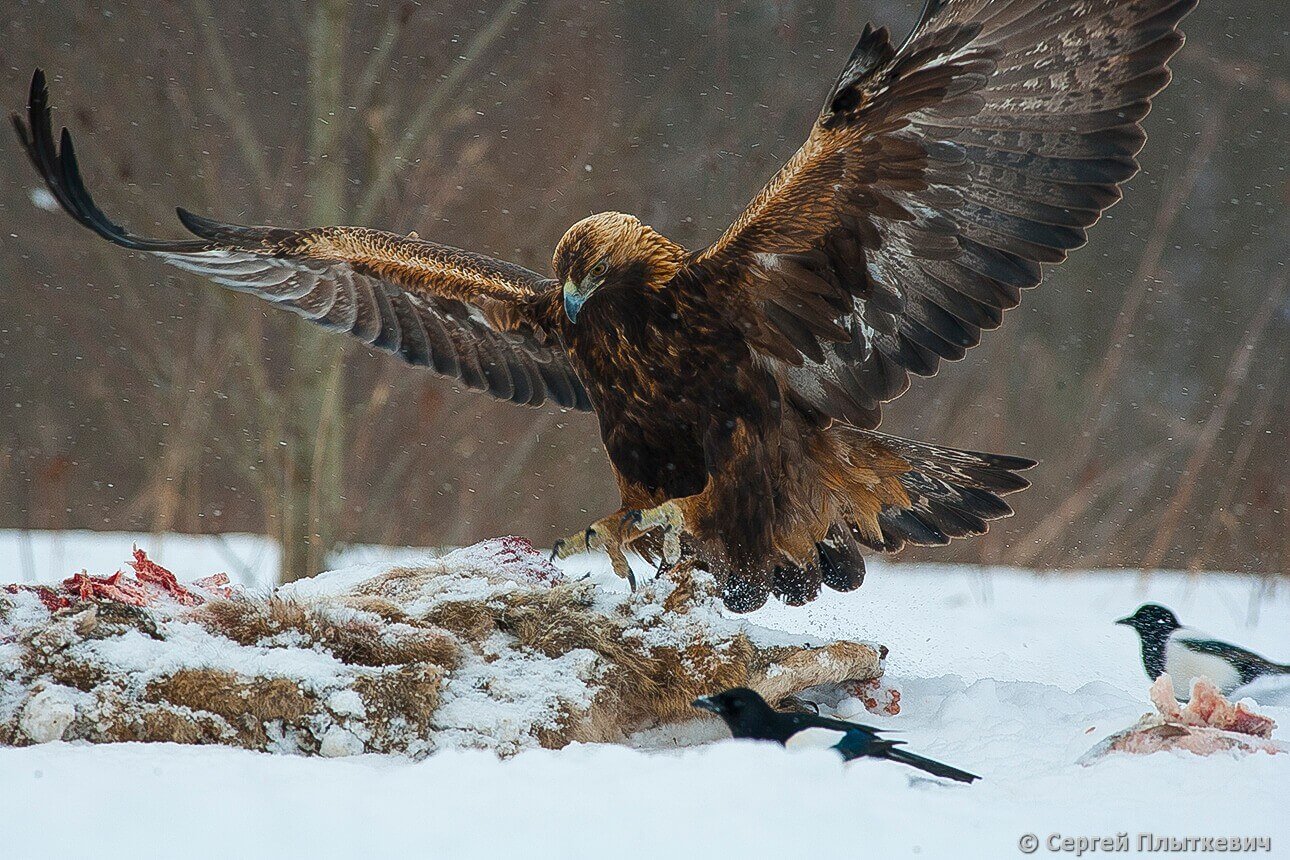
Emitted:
<point x="487" y="647"/>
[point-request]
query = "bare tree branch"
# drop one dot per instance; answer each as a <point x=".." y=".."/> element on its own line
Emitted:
<point x="377" y="63"/>
<point x="226" y="98"/>
<point x="1145" y="275"/>
<point x="1237" y="369"/>
<point x="428" y="112"/>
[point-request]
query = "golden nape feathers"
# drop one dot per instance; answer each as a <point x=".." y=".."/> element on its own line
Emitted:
<point x="622" y="242"/>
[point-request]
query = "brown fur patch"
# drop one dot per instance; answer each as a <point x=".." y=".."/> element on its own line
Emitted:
<point x="554" y="622"/>
<point x="246" y="705"/>
<point x="797" y="668"/>
<point x="689" y="585"/>
<point x="47" y="650"/>
<point x="644" y="683"/>
<point x="355" y="639"/>
<point x="72" y="673"/>
<point x="111" y="618"/>
<point x="161" y="724"/>
<point x="407" y="692"/>
<point x="377" y="605"/>
<point x="469" y="619"/>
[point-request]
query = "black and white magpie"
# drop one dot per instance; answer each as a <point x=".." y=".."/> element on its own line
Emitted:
<point x="1187" y="654"/>
<point x="748" y="716"/>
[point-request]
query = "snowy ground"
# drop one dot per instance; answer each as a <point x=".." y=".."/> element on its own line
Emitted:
<point x="1005" y="673"/>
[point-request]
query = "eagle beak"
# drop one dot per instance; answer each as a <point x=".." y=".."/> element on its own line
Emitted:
<point x="705" y="703"/>
<point x="573" y="301"/>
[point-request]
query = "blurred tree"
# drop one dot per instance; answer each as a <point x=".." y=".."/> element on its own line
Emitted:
<point x="311" y="451"/>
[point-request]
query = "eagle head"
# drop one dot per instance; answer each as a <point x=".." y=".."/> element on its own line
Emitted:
<point x="610" y="252"/>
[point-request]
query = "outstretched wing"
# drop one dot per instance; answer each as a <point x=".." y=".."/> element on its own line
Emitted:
<point x="461" y="314"/>
<point x="937" y="181"/>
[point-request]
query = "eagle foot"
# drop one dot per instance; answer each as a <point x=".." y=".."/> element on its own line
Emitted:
<point x="604" y="534"/>
<point x="669" y="519"/>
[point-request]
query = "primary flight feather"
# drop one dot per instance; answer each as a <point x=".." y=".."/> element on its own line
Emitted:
<point x="738" y="387"/>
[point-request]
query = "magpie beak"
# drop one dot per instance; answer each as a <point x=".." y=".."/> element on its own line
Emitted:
<point x="1127" y="622"/>
<point x="573" y="301"/>
<point x="704" y="703"/>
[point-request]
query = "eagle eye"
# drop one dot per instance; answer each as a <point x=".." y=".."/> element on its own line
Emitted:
<point x="599" y="270"/>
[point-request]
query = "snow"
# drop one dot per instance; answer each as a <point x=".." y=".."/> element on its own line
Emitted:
<point x="44" y="556"/>
<point x="48" y="714"/>
<point x="190" y="646"/>
<point x="1005" y="673"/>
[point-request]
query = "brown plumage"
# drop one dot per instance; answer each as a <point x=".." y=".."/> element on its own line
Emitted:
<point x="739" y="387"/>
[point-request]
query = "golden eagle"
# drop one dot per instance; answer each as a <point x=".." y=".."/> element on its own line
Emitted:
<point x="738" y="386"/>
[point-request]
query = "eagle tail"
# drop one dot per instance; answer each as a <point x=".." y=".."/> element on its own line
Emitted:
<point x="886" y="492"/>
<point x="944" y="493"/>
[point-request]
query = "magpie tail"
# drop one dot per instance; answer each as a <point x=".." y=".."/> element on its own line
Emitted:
<point x="858" y="744"/>
<point x="927" y="765"/>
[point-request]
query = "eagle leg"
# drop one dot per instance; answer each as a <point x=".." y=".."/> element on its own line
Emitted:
<point x="669" y="518"/>
<point x="605" y="534"/>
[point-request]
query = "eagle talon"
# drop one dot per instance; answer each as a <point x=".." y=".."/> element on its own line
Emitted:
<point x="668" y="519"/>
<point x="671" y="547"/>
<point x="565" y="547"/>
<point x="604" y="534"/>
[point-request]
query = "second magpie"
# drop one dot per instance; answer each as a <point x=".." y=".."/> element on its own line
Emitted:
<point x="1187" y="654"/>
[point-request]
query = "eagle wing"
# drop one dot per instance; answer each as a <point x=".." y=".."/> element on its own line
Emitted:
<point x="938" y="180"/>
<point x="464" y="315"/>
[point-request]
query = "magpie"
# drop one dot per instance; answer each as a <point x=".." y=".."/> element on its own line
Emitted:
<point x="748" y="716"/>
<point x="1187" y="654"/>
